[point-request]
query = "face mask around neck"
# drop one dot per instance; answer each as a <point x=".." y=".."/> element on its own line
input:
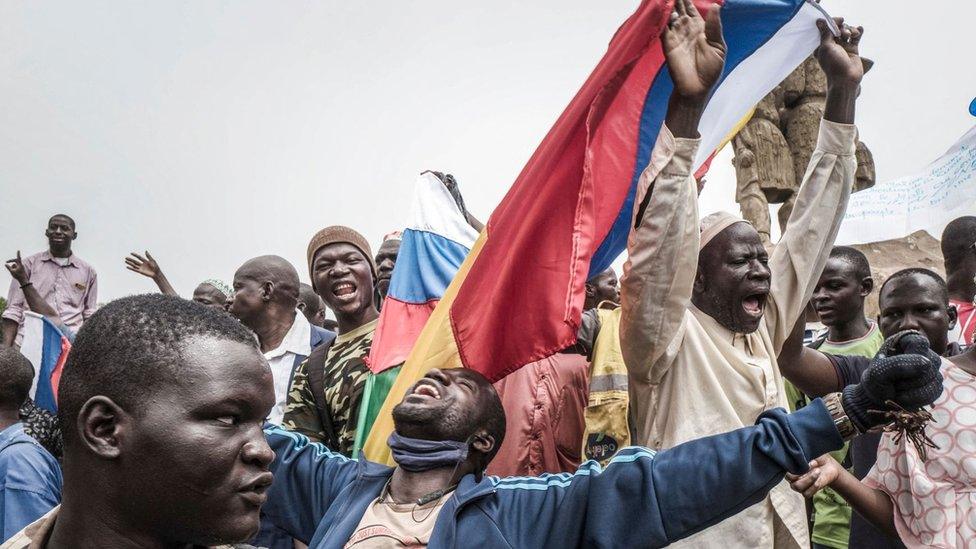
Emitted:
<point x="417" y="455"/>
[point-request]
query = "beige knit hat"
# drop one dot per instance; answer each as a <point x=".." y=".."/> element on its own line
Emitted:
<point x="336" y="234"/>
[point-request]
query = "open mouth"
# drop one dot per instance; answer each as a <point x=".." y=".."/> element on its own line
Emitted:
<point x="344" y="289"/>
<point x="427" y="389"/>
<point x="754" y="304"/>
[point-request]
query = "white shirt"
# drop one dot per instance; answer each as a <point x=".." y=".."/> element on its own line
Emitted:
<point x="282" y="360"/>
<point x="690" y="377"/>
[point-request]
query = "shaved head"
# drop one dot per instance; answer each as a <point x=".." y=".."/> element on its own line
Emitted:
<point x="276" y="270"/>
<point x="265" y="287"/>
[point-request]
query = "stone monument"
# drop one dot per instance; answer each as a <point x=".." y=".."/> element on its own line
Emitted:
<point x="773" y="149"/>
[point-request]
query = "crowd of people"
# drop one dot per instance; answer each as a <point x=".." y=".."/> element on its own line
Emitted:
<point x="690" y="412"/>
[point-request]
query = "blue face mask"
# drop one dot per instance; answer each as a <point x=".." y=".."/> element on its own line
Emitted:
<point x="416" y="455"/>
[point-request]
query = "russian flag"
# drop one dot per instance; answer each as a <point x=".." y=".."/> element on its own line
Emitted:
<point x="518" y="296"/>
<point x="47" y="349"/>
<point x="434" y="245"/>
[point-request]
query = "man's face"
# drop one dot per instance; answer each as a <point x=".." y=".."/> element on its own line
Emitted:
<point x="604" y="287"/>
<point x="840" y="292"/>
<point x="247" y="303"/>
<point x="210" y="296"/>
<point x="444" y="405"/>
<point x="732" y="284"/>
<point x="342" y="277"/>
<point x="315" y="314"/>
<point x="196" y="452"/>
<point x="385" y="261"/>
<point x="60" y="232"/>
<point x="917" y="302"/>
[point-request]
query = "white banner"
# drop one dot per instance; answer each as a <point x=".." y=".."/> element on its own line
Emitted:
<point x="927" y="201"/>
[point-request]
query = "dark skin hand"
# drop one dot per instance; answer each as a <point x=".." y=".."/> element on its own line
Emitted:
<point x="872" y="504"/>
<point x="33" y="298"/>
<point x="909" y="303"/>
<point x="148" y="267"/>
<point x="695" y="52"/>
<point x="838" y="57"/>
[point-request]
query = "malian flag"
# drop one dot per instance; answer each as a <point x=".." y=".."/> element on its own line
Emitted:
<point x="47" y="349"/>
<point x="518" y="296"/>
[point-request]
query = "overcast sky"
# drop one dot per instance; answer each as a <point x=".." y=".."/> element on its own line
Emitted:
<point x="211" y="132"/>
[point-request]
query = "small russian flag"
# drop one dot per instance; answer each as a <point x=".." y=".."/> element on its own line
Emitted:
<point x="47" y="349"/>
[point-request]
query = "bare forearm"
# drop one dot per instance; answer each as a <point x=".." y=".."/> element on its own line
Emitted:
<point x="683" y="116"/>
<point x="163" y="284"/>
<point x="874" y="505"/>
<point x="9" y="332"/>
<point x="37" y="303"/>
<point x="841" y="100"/>
<point x="810" y="370"/>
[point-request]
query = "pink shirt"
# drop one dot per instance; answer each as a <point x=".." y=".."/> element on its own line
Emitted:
<point x="71" y="289"/>
<point x="935" y="499"/>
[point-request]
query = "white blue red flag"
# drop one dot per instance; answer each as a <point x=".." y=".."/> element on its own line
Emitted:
<point x="518" y="296"/>
<point x="47" y="349"/>
<point x="433" y="247"/>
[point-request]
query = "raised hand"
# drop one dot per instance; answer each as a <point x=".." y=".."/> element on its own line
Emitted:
<point x="695" y="50"/>
<point x="146" y="266"/>
<point x="16" y="269"/>
<point x="838" y="55"/>
<point x="905" y="374"/>
<point x="839" y="59"/>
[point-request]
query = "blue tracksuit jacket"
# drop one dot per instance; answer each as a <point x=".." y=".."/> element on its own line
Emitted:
<point x="640" y="499"/>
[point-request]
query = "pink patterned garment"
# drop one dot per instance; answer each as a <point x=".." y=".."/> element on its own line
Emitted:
<point x="935" y="500"/>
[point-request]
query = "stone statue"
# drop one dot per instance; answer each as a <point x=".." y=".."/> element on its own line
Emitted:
<point x="774" y="148"/>
<point x="763" y="164"/>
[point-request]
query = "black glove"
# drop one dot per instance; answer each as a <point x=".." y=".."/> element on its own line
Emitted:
<point x="905" y="371"/>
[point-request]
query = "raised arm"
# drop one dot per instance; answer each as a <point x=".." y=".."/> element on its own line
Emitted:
<point x="33" y="298"/>
<point x="148" y="267"/>
<point x="307" y="477"/>
<point x="809" y="369"/>
<point x="800" y="256"/>
<point x="658" y="498"/>
<point x="662" y="248"/>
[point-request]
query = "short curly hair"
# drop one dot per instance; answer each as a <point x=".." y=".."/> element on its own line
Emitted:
<point x="132" y="346"/>
<point x="16" y="376"/>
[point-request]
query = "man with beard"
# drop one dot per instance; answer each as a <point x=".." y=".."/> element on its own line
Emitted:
<point x="61" y="278"/>
<point x="910" y="299"/>
<point x="704" y="309"/>
<point x="163" y="402"/>
<point x="450" y="424"/>
<point x="325" y="397"/>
